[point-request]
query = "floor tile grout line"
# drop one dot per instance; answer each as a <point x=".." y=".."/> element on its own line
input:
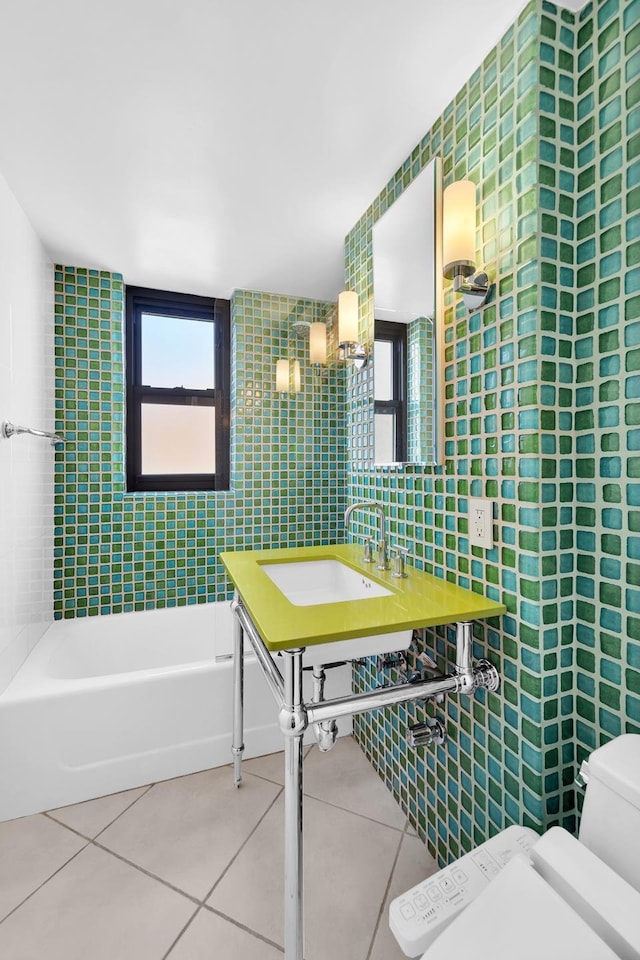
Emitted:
<point x="385" y="895"/>
<point x="242" y="926"/>
<point x="363" y="816"/>
<point x="202" y="903"/>
<point x="44" y="882"/>
<point x="243" y="844"/>
<point x="79" y="833"/>
<point x="166" y="883"/>
<point x="126" y="810"/>
<point x="183" y="931"/>
<point x="66" y="826"/>
<point x="100" y="846"/>
<point x="148" y="873"/>
<point x="336" y="806"/>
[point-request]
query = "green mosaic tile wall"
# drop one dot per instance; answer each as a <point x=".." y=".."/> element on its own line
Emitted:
<point x="420" y="384"/>
<point x="515" y="428"/>
<point x="116" y="551"/>
<point x="607" y="350"/>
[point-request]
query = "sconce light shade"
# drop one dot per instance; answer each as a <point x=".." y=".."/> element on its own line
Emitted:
<point x="317" y="343"/>
<point x="459" y="229"/>
<point x="347" y="317"/>
<point x="288" y="378"/>
<point x="282" y="376"/>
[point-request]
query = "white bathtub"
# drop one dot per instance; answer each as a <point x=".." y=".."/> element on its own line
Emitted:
<point x="107" y="703"/>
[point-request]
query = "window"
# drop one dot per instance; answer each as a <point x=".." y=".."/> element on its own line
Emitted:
<point x="390" y="414"/>
<point x="178" y="378"/>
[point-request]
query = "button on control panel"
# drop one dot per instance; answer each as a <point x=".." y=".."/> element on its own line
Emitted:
<point x="418" y="916"/>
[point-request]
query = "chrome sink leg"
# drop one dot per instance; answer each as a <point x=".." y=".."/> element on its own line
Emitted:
<point x="237" y="745"/>
<point x="293" y="723"/>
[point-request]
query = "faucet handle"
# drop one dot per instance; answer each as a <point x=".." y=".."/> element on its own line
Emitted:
<point x="383" y="555"/>
<point x="398" y="562"/>
<point x="367" y="556"/>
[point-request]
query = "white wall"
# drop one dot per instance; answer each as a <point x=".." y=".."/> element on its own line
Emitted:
<point x="26" y="463"/>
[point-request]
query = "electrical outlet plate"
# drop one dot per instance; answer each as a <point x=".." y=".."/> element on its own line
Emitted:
<point x="481" y="523"/>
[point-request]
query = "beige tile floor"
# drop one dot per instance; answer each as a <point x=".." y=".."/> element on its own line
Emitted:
<point x="191" y="868"/>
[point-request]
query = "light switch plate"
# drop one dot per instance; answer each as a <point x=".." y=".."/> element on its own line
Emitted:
<point x="481" y="523"/>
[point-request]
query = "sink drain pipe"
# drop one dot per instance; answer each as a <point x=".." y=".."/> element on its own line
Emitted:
<point x="325" y="731"/>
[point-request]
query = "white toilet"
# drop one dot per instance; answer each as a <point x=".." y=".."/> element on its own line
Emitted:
<point x="528" y="897"/>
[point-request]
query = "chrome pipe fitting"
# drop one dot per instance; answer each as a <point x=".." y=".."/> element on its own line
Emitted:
<point x="464" y="657"/>
<point x="427" y="733"/>
<point x="293" y="721"/>
<point x="327" y="731"/>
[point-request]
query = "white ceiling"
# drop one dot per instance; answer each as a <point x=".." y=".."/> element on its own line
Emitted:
<point x="204" y="145"/>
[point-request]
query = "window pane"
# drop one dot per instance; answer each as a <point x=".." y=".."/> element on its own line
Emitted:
<point x="178" y="438"/>
<point x="385" y="437"/>
<point x="383" y="369"/>
<point x="177" y="352"/>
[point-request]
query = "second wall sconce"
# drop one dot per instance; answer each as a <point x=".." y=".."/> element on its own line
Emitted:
<point x="288" y="376"/>
<point x="459" y="244"/>
<point x="348" y="329"/>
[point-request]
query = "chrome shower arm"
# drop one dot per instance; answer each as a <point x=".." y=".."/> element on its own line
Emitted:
<point x="11" y="430"/>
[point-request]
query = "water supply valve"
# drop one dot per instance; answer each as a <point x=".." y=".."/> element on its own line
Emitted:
<point x="427" y="733"/>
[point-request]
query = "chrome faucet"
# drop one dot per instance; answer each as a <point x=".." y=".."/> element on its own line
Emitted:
<point x="383" y="555"/>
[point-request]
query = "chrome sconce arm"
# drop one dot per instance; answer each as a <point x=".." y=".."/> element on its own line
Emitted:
<point x="474" y="288"/>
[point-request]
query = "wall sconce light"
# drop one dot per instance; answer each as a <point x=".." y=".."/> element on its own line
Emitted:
<point x="348" y="329"/>
<point x="459" y="244"/>
<point x="288" y="376"/>
<point x="316" y="334"/>
<point x="317" y="343"/>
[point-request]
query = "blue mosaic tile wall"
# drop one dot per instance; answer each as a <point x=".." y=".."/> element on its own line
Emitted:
<point x="116" y="551"/>
<point x="550" y="138"/>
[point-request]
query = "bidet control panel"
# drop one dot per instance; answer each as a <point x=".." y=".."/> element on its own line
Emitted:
<point x="418" y="916"/>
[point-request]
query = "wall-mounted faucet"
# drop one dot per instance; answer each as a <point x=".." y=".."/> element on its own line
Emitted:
<point x="383" y="554"/>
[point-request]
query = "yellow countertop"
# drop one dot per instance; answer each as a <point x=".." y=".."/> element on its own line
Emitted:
<point x="418" y="601"/>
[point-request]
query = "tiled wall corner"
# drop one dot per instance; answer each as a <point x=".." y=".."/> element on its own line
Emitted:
<point x="491" y="772"/>
<point x="607" y="349"/>
<point x="556" y="329"/>
<point x="116" y="551"/>
<point x="542" y="415"/>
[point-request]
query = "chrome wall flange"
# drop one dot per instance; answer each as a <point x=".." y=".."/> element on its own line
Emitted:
<point x="486" y="675"/>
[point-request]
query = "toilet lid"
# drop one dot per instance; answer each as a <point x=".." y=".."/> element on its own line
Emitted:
<point x="518" y="915"/>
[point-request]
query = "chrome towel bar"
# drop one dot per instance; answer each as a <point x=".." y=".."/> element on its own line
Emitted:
<point x="10" y="430"/>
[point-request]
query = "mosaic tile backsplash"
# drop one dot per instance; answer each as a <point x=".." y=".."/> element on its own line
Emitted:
<point x="116" y="551"/>
<point x="542" y="416"/>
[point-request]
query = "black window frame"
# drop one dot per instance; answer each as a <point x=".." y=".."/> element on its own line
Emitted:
<point x="215" y="310"/>
<point x="396" y="334"/>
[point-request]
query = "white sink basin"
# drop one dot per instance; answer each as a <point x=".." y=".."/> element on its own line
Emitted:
<point x="311" y="582"/>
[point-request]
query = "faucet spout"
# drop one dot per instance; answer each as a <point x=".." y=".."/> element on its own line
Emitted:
<point x="383" y="555"/>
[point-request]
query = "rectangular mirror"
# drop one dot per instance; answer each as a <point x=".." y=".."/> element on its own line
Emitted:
<point x="407" y="337"/>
